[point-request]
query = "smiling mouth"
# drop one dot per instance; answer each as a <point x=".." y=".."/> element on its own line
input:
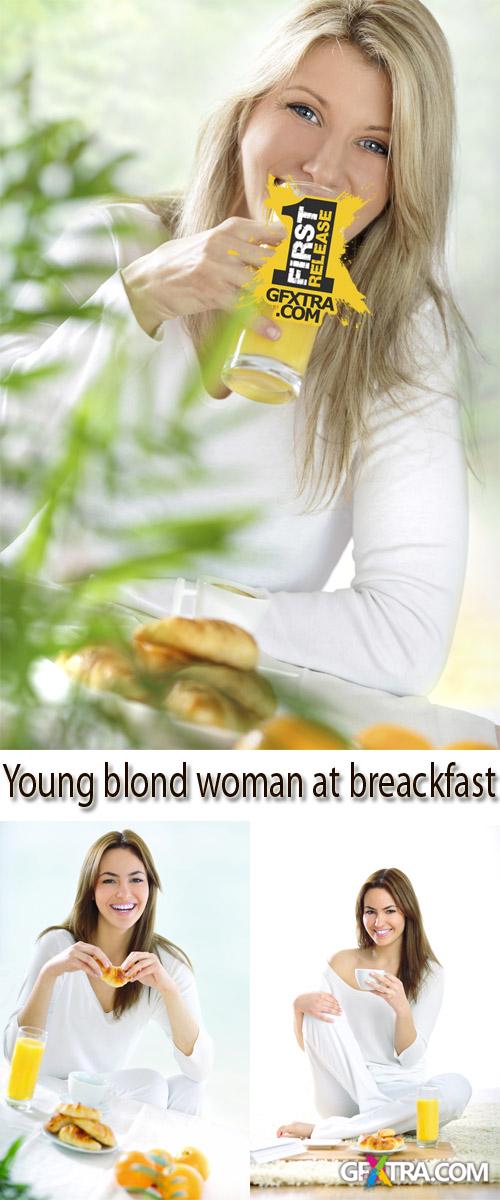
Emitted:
<point x="123" y="907"/>
<point x="382" y="932"/>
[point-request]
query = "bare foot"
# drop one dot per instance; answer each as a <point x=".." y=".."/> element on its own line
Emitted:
<point x="297" y="1129"/>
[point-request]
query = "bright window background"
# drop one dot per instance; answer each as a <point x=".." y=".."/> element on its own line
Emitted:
<point x="143" y="73"/>
<point x="306" y="875"/>
<point x="203" y="908"/>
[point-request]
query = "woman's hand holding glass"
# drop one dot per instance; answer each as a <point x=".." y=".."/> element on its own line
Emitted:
<point x="141" y="967"/>
<point x="322" y="1005"/>
<point x="390" y="988"/>
<point x="81" y="956"/>
<point x="200" y="273"/>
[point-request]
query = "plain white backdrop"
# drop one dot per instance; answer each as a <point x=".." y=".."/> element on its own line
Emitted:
<point x="203" y="907"/>
<point x="305" y="879"/>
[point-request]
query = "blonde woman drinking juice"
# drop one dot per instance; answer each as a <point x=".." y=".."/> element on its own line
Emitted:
<point x="366" y="1048"/>
<point x="353" y="96"/>
<point x="92" y="1026"/>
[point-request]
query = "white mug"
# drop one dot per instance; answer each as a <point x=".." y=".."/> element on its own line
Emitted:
<point x="85" y="1087"/>
<point x="363" y="977"/>
<point x="222" y="600"/>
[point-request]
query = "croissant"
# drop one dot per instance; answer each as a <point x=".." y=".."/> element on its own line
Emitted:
<point x="56" y="1122"/>
<point x="74" y="1136"/>
<point x="383" y="1139"/>
<point x="114" y="976"/>
<point x="96" y="1129"/>
<point x="74" y="1111"/>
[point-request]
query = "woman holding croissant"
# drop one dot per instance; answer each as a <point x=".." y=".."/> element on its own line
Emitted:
<point x="366" y="1048"/>
<point x="97" y="979"/>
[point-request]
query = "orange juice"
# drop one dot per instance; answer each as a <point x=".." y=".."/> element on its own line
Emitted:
<point x="427" y="1121"/>
<point x="267" y="371"/>
<point x="25" y="1065"/>
<point x="296" y="290"/>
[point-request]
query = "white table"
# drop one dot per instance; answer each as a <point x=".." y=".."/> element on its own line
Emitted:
<point x="352" y="707"/>
<point x="58" y="1173"/>
<point x="346" y="706"/>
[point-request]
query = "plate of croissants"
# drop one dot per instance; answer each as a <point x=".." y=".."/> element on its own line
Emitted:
<point x="202" y="673"/>
<point x="78" y="1127"/>
<point x="384" y="1141"/>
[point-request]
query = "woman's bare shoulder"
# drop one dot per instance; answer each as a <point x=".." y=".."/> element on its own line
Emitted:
<point x="343" y="958"/>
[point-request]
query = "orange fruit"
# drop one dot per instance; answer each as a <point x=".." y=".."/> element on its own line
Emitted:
<point x="391" y="737"/>
<point x="180" y="1182"/>
<point x="161" y="1158"/>
<point x="194" y="1158"/>
<point x="292" y="733"/>
<point x="469" y="746"/>
<point x="135" y="1170"/>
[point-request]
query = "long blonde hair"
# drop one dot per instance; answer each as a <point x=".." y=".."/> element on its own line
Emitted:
<point x="398" y="262"/>
<point x="82" y="920"/>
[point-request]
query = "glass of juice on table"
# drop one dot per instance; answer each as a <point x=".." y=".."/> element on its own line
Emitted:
<point x="26" y="1059"/>
<point x="427" y="1116"/>
<point x="295" y="292"/>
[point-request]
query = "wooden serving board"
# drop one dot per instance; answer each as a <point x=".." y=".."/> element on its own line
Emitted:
<point x="411" y="1153"/>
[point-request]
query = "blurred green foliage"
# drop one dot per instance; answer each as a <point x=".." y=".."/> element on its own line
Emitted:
<point x="38" y="619"/>
<point x="8" y="1189"/>
<point x="48" y="168"/>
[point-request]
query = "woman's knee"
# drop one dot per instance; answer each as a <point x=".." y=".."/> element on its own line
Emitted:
<point x="462" y="1092"/>
<point x="186" y="1095"/>
<point x="456" y="1092"/>
<point x="314" y="1030"/>
<point x="155" y="1086"/>
<point x="141" y="1083"/>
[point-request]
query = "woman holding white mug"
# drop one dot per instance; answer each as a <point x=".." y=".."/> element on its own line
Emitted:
<point x="93" y="1024"/>
<point x="366" y="1051"/>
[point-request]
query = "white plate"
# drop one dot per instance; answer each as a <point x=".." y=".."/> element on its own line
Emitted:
<point x="54" y="686"/>
<point x="52" y="1137"/>
<point x="366" y="1150"/>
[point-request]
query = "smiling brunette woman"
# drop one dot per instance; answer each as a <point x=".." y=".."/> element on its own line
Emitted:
<point x="354" y="96"/>
<point x="366" y="1047"/>
<point x="93" y="1025"/>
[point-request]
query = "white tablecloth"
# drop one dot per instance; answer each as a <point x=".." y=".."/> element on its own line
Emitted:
<point x="58" y="1173"/>
<point x="351" y="708"/>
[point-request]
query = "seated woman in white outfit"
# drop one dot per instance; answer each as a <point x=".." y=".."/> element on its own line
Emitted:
<point x="367" y="1048"/>
<point x="94" y="1027"/>
<point x="358" y="98"/>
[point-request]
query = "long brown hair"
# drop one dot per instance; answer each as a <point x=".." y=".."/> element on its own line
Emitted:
<point x="416" y="954"/>
<point x="82" y="920"/>
<point x="398" y="262"/>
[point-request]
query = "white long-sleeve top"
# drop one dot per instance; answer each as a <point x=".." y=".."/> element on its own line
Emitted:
<point x="404" y="502"/>
<point x="82" y="1037"/>
<point x="372" y="1021"/>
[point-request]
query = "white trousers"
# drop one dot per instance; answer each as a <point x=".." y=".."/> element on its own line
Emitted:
<point x="177" y="1092"/>
<point x="349" y="1098"/>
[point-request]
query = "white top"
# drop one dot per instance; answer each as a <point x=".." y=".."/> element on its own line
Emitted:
<point x="404" y="503"/>
<point x="372" y="1022"/>
<point x="82" y="1037"/>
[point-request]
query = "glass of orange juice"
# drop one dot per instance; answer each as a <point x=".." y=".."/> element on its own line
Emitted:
<point x="26" y="1059"/>
<point x="427" y="1116"/>
<point x="272" y="372"/>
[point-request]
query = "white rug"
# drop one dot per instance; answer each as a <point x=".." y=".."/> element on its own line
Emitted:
<point x="475" y="1138"/>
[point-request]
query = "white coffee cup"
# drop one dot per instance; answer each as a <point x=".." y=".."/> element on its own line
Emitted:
<point x="221" y="600"/>
<point x="85" y="1087"/>
<point x="363" y="977"/>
